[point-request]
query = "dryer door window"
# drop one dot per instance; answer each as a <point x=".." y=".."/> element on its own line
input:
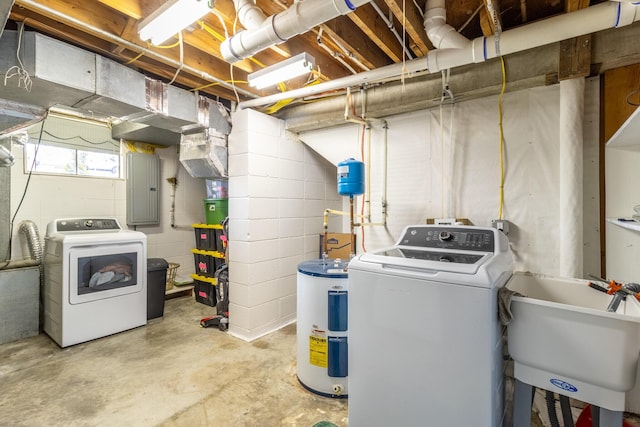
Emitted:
<point x="98" y="272"/>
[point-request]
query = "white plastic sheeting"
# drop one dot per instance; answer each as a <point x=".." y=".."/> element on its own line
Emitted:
<point x="418" y="155"/>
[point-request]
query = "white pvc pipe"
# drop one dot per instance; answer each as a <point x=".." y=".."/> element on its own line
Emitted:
<point x="441" y="34"/>
<point x="298" y="19"/>
<point x="571" y="156"/>
<point x="562" y="27"/>
<point x="584" y="21"/>
<point x="249" y="14"/>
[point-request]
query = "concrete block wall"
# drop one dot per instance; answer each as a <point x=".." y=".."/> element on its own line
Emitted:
<point x="278" y="191"/>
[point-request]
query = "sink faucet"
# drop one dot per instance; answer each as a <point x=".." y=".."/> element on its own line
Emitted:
<point x="620" y="292"/>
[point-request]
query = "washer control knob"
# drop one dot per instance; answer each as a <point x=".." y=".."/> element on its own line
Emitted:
<point x="88" y="223"/>
<point x="445" y="236"/>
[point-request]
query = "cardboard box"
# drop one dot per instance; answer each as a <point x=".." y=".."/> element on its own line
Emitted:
<point x="338" y="245"/>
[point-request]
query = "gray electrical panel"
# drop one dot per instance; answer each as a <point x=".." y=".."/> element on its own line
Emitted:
<point x="143" y="188"/>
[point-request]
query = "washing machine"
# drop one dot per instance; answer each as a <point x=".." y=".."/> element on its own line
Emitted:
<point x="425" y="342"/>
<point x="95" y="275"/>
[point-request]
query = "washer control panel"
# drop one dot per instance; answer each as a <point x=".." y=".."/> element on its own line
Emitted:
<point x="442" y="237"/>
<point x="87" y="224"/>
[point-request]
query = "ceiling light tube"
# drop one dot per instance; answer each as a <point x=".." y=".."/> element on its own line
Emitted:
<point x="171" y="18"/>
<point x="293" y="67"/>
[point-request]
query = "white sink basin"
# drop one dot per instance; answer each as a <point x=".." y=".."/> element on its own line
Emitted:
<point x="562" y="339"/>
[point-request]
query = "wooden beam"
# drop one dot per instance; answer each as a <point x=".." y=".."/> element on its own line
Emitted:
<point x="573" y="5"/>
<point x="364" y="49"/>
<point x="575" y="58"/>
<point x="129" y="33"/>
<point x="575" y="54"/>
<point x="372" y="25"/>
<point x="354" y="41"/>
<point x="523" y="11"/>
<point x="488" y="21"/>
<point x="413" y="23"/>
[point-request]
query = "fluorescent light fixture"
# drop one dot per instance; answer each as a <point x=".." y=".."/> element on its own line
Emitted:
<point x="285" y="70"/>
<point x="171" y="18"/>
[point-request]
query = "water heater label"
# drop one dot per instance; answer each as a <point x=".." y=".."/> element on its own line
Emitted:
<point x="318" y="353"/>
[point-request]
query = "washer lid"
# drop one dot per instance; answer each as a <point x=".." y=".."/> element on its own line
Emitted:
<point x="423" y="260"/>
<point x="453" y="257"/>
<point x="333" y="268"/>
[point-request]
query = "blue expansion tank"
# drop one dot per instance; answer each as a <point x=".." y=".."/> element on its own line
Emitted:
<point x="350" y="177"/>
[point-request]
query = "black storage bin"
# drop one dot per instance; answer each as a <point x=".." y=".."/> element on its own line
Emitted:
<point x="207" y="262"/>
<point x="208" y="237"/>
<point x="156" y="285"/>
<point x="205" y="289"/>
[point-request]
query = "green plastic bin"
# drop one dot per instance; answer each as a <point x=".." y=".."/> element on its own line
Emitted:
<point x="215" y="210"/>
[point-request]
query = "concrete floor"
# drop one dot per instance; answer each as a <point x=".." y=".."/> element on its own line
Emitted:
<point x="170" y="372"/>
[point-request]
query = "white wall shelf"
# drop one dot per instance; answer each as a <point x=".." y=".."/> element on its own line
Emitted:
<point x="628" y="136"/>
<point x="630" y="225"/>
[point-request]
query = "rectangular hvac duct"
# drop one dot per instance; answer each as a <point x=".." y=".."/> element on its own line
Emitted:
<point x="120" y="90"/>
<point x="59" y="73"/>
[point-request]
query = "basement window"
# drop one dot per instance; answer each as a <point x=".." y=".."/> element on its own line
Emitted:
<point x="70" y="146"/>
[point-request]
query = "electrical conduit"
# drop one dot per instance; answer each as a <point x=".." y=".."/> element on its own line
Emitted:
<point x="561" y="27"/>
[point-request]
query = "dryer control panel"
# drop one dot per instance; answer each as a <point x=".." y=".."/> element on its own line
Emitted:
<point x="87" y="224"/>
<point x="441" y="237"/>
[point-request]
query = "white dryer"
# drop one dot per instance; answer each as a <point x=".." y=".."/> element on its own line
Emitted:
<point x="425" y="344"/>
<point x="95" y="279"/>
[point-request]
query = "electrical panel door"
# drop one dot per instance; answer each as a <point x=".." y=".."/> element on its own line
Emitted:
<point x="143" y="188"/>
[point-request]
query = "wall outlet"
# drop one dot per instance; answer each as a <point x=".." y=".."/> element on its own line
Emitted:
<point x="501" y="224"/>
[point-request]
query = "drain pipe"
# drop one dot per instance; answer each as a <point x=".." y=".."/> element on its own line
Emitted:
<point x="249" y="14"/>
<point x="441" y="34"/>
<point x="592" y="19"/>
<point x="32" y="4"/>
<point x="298" y="19"/>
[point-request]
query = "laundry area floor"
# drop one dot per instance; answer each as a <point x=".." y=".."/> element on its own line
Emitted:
<point x="170" y="372"/>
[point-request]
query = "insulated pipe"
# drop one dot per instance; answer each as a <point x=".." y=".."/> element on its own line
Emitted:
<point x="33" y="4"/>
<point x="570" y="159"/>
<point x="584" y="21"/>
<point x="297" y="19"/>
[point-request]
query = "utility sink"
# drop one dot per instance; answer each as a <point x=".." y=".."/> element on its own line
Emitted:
<point x="562" y="339"/>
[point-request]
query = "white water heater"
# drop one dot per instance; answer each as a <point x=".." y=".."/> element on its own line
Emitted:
<point x="322" y="348"/>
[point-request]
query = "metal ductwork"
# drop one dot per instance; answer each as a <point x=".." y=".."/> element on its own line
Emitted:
<point x="64" y="75"/>
<point x="5" y="11"/>
<point x="298" y="19"/>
